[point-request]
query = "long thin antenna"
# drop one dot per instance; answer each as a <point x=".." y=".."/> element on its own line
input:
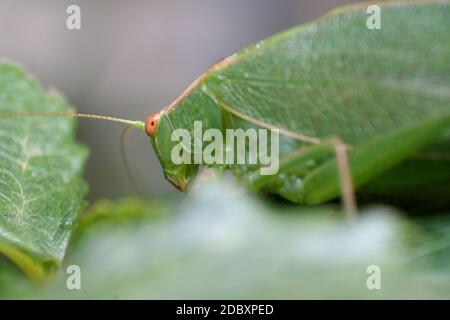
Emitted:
<point x="130" y="124"/>
<point x="126" y="161"/>
<point x="136" y="124"/>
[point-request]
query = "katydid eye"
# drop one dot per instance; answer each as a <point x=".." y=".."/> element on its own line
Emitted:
<point x="150" y="124"/>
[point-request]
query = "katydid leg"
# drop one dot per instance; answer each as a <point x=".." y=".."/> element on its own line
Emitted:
<point x="295" y="167"/>
<point x="370" y="160"/>
<point x="314" y="174"/>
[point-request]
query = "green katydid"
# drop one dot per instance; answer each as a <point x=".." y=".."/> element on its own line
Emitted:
<point x="379" y="99"/>
<point x="385" y="93"/>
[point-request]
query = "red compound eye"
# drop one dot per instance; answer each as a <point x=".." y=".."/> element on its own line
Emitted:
<point x="151" y="123"/>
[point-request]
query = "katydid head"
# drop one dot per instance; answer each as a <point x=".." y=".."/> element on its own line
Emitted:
<point x="159" y="128"/>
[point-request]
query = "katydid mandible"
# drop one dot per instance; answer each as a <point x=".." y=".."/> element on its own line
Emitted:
<point x="356" y="108"/>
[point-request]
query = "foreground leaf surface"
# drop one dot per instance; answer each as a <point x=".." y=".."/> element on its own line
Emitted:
<point x="41" y="185"/>
<point x="220" y="243"/>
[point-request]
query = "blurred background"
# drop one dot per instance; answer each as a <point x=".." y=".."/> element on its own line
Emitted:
<point x="132" y="58"/>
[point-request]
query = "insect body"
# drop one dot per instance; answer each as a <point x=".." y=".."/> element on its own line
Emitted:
<point x="384" y="94"/>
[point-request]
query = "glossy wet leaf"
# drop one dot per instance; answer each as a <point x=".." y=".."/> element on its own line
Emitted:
<point x="41" y="185"/>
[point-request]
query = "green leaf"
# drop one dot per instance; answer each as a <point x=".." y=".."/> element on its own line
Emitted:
<point x="11" y="278"/>
<point x="41" y="185"/>
<point x="220" y="243"/>
<point x="105" y="214"/>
